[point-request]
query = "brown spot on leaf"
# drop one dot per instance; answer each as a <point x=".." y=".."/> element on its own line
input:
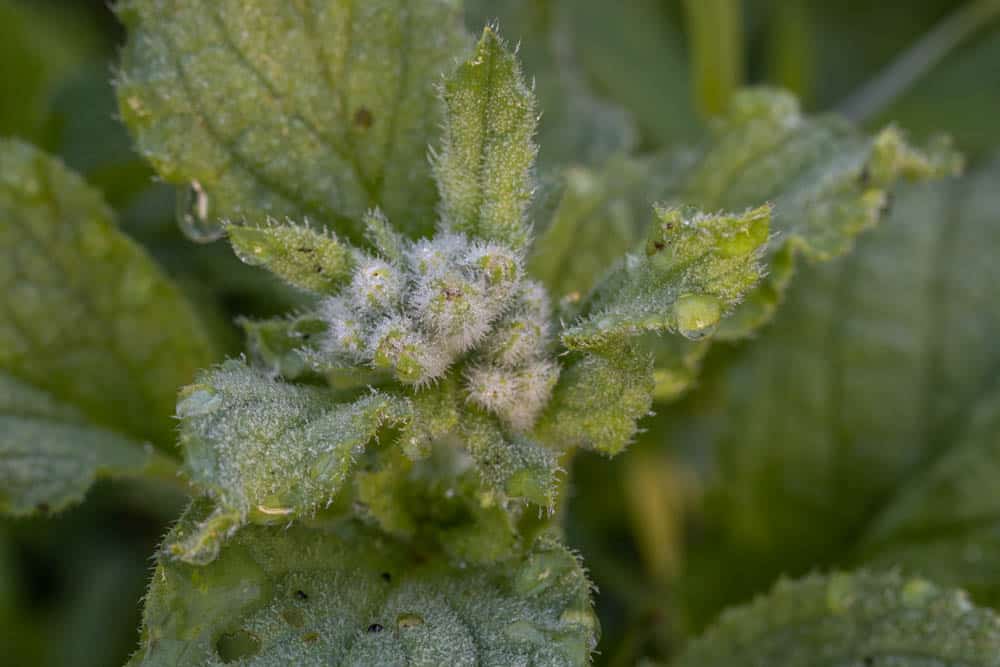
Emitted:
<point x="363" y="118"/>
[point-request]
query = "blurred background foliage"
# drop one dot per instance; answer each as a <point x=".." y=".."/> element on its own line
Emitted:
<point x="613" y="78"/>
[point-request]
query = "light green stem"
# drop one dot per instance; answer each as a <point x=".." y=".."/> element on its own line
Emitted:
<point x="889" y="84"/>
<point x="715" y="31"/>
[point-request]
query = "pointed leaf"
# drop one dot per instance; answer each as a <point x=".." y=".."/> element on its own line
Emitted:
<point x="308" y="259"/>
<point x="696" y="267"/>
<point x="852" y="619"/>
<point x="577" y="125"/>
<point x="86" y="316"/>
<point x="301" y="596"/>
<point x="305" y="110"/>
<point x="485" y="163"/>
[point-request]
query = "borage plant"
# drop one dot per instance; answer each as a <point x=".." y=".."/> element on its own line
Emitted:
<point x="381" y="478"/>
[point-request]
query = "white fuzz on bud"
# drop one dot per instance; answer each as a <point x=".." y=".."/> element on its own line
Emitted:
<point x="376" y="286"/>
<point x="346" y="338"/>
<point x="516" y="396"/>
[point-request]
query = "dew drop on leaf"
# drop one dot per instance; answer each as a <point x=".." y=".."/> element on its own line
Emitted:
<point x="698" y="315"/>
<point x="193" y="215"/>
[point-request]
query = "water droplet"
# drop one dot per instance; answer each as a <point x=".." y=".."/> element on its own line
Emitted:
<point x="198" y="402"/>
<point x="193" y="215"/>
<point x="916" y="592"/>
<point x="698" y="315"/>
<point x="406" y="621"/>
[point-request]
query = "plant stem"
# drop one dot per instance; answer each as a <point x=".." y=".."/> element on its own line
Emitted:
<point x="875" y="96"/>
<point x="715" y="31"/>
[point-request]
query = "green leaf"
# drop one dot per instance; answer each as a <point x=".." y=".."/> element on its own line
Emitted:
<point x="349" y="597"/>
<point x="301" y="110"/>
<point x="270" y="451"/>
<point x="826" y="181"/>
<point x="600" y="215"/>
<point x="87" y="317"/>
<point x="852" y="619"/>
<point x="867" y="376"/>
<point x="41" y="44"/>
<point x="598" y="402"/>
<point x="512" y="465"/>
<point x="484" y="166"/>
<point x="576" y="125"/>
<point x="50" y="454"/>
<point x="308" y="259"/>
<point x="279" y="345"/>
<point x="696" y="268"/>
<point x="439" y="500"/>
<point x="943" y="523"/>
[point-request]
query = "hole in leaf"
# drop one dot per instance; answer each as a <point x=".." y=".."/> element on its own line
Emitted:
<point x="301" y="595"/>
<point x="375" y="627"/>
<point x="233" y="646"/>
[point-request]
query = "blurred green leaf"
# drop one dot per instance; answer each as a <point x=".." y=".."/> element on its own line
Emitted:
<point x="869" y="374"/>
<point x="40" y="44"/>
<point x="852" y="619"/>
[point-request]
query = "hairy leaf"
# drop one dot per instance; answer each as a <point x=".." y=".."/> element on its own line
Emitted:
<point x="576" y="125"/>
<point x="852" y="619"/>
<point x="50" y="454"/>
<point x="270" y="451"/>
<point x="600" y="215"/>
<point x="827" y="181"/>
<point x="308" y="259"/>
<point x="87" y="317"/>
<point x="696" y="268"/>
<point x="439" y="500"/>
<point x="485" y="163"/>
<point x="598" y="401"/>
<point x="349" y="597"/>
<point x="867" y="376"/>
<point x="306" y="110"/>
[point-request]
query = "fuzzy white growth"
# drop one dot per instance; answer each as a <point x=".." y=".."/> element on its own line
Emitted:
<point x="440" y="299"/>
<point x="346" y="336"/>
<point x="515" y="395"/>
<point x="525" y="332"/>
<point x="376" y="285"/>
<point x="397" y="344"/>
